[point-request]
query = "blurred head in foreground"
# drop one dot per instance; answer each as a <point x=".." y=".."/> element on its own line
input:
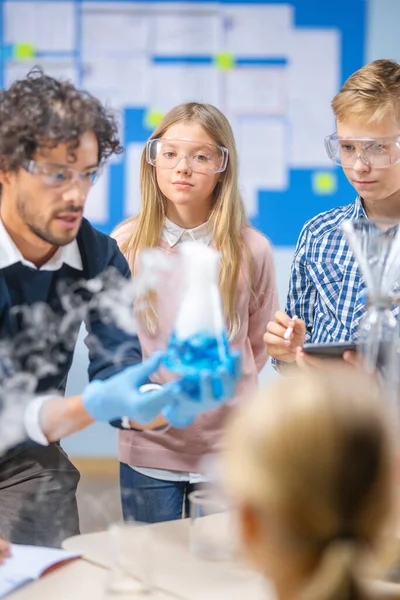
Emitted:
<point x="309" y="464"/>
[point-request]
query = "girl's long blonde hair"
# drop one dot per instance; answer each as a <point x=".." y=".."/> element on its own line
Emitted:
<point x="312" y="456"/>
<point x="227" y="216"/>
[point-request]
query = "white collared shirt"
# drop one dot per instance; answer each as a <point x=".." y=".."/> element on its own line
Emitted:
<point x="10" y="255"/>
<point x="174" y="234"/>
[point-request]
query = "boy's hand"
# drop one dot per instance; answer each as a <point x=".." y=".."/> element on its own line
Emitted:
<point x="277" y="346"/>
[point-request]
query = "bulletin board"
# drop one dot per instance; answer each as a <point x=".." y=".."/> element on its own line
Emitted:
<point x="272" y="67"/>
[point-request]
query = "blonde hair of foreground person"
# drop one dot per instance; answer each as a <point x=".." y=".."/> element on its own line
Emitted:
<point x="310" y="464"/>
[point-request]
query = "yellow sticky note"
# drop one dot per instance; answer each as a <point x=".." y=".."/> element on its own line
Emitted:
<point x="153" y="118"/>
<point x="224" y="60"/>
<point x="23" y="51"/>
<point x="324" y="182"/>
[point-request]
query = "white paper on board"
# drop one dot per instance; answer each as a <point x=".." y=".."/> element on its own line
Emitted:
<point x="34" y="23"/>
<point x="314" y="79"/>
<point x="191" y="33"/>
<point x="170" y="85"/>
<point x="258" y="30"/>
<point x="263" y="157"/>
<point x="262" y="147"/>
<point x="256" y="90"/>
<point x="102" y="77"/>
<point x="122" y="31"/>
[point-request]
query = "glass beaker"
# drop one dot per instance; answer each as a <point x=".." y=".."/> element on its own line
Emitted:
<point x="131" y="570"/>
<point x="211" y="525"/>
<point x="376" y="246"/>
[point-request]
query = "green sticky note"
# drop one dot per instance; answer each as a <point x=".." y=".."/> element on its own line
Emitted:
<point x="324" y="182"/>
<point x="153" y="118"/>
<point x="224" y="60"/>
<point x="23" y="51"/>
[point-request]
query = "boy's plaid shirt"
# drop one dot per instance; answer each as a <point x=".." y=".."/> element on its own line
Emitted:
<point x="326" y="288"/>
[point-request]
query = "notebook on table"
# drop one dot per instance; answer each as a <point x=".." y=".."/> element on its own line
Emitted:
<point x="28" y="563"/>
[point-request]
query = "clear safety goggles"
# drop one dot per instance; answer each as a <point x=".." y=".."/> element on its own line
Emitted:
<point x="379" y="153"/>
<point x="167" y="153"/>
<point x="60" y="176"/>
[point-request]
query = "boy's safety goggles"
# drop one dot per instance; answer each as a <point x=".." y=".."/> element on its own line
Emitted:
<point x="379" y="153"/>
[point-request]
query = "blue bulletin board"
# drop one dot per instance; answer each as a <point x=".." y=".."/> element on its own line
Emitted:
<point x="271" y="66"/>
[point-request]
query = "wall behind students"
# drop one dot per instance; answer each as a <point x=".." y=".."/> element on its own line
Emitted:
<point x="382" y="19"/>
<point x="271" y="66"/>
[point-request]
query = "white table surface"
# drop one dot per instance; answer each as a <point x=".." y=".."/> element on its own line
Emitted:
<point x="176" y="570"/>
<point x="178" y="574"/>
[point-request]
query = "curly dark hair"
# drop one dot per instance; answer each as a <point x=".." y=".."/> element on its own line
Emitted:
<point x="40" y="111"/>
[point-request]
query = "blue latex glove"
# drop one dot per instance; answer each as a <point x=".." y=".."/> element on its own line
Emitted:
<point x="196" y="394"/>
<point x="119" y="396"/>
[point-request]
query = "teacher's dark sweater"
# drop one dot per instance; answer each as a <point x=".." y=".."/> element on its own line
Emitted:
<point x="40" y="317"/>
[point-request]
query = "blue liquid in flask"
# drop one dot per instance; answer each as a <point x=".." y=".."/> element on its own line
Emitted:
<point x="199" y="340"/>
<point x="197" y="352"/>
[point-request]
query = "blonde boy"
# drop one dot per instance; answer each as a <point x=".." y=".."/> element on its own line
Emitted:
<point x="326" y="288"/>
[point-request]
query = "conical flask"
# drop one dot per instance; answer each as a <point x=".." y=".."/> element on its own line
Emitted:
<point x="376" y="247"/>
<point x="199" y="337"/>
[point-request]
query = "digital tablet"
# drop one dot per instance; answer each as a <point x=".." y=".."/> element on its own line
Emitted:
<point x="329" y="350"/>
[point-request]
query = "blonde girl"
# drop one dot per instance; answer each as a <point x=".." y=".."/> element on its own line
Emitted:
<point x="189" y="191"/>
<point x="310" y="466"/>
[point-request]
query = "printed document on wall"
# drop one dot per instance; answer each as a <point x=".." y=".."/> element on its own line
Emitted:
<point x="263" y="160"/>
<point x="113" y="34"/>
<point x="102" y="77"/>
<point x="196" y="33"/>
<point x="34" y="23"/>
<point x="170" y="85"/>
<point x="256" y="90"/>
<point x="311" y="93"/>
<point x="258" y="30"/>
